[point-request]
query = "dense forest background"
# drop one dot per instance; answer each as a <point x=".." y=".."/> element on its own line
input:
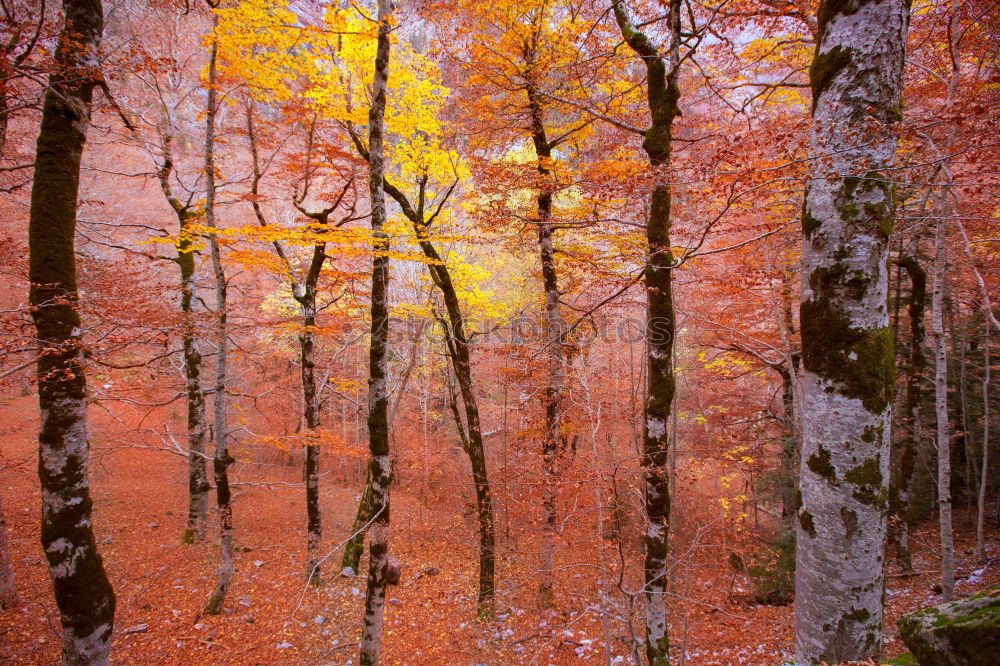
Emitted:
<point x="296" y="270"/>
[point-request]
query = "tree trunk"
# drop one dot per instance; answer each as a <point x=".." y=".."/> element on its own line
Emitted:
<point x="378" y="388"/>
<point x="198" y="486"/>
<point x="310" y="408"/>
<point x="847" y="356"/>
<point x="8" y="588"/>
<point x="911" y="437"/>
<point x="222" y="460"/>
<point x="458" y="351"/>
<point x="663" y="94"/>
<point x="984" y="471"/>
<point x="304" y="293"/>
<point x="552" y="339"/>
<point x="355" y="547"/>
<point x="83" y="594"/>
<point x="941" y="407"/>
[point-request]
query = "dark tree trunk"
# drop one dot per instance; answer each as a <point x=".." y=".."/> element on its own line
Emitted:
<point x="83" y="594"/>
<point x="198" y="486"/>
<point x="304" y="293"/>
<point x="310" y="408"/>
<point x="553" y="341"/>
<point x="472" y="432"/>
<point x="378" y="387"/>
<point x="911" y="435"/>
<point x="662" y="94"/>
<point x="355" y="547"/>
<point x="222" y="460"/>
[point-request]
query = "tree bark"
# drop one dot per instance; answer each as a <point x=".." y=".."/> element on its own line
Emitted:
<point x="83" y="594"/>
<point x="553" y="341"/>
<point x="943" y="438"/>
<point x="222" y="460"/>
<point x="663" y="94"/>
<point x="847" y="356"/>
<point x="380" y="465"/>
<point x="911" y="437"/>
<point x="8" y="587"/>
<point x="304" y="292"/>
<point x="458" y="351"/>
<point x="984" y="470"/>
<point x="198" y="486"/>
<point x="355" y="547"/>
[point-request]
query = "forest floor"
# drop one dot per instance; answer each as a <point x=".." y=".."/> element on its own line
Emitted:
<point x="270" y="618"/>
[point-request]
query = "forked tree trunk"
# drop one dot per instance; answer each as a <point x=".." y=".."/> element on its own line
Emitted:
<point x="847" y="355"/>
<point x="304" y="293"/>
<point x="911" y="437"/>
<point x="378" y="387"/>
<point x="83" y="594"/>
<point x="198" y="486"/>
<point x="663" y="94"/>
<point x="222" y="460"/>
<point x="458" y="351"/>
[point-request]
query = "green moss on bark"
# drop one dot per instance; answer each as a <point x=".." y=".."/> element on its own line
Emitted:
<point x="858" y="362"/>
<point x="825" y="66"/>
<point x="820" y="465"/>
<point x="867" y="479"/>
<point x="807" y="523"/>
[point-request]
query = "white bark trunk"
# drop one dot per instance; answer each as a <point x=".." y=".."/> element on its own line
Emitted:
<point x="847" y="359"/>
<point x="941" y="410"/>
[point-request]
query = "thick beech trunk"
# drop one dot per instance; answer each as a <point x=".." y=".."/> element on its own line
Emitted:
<point x="847" y="356"/>
<point x="911" y="437"/>
<point x="83" y="594"/>
<point x="380" y="465"/>
<point x="222" y="460"/>
<point x="662" y="93"/>
<point x="553" y="341"/>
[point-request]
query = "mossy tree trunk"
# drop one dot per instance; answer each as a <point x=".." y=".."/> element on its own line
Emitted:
<point x="222" y="459"/>
<point x="355" y="546"/>
<point x="198" y="486"/>
<point x="663" y="94"/>
<point x="911" y="436"/>
<point x="380" y="465"/>
<point x="847" y="353"/>
<point x="83" y="594"/>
